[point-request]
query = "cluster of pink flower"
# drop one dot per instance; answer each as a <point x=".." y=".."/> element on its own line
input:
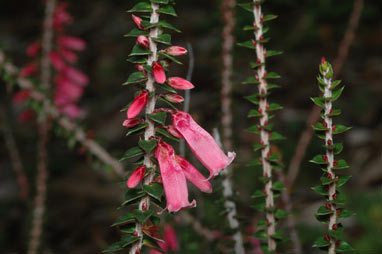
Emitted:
<point x="174" y="169"/>
<point x="69" y="82"/>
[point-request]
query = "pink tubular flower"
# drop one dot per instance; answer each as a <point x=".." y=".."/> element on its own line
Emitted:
<point x="71" y="110"/>
<point x="61" y="17"/>
<point x="28" y="70"/>
<point x="173" y="97"/>
<point x="129" y="123"/>
<point x="138" y="104"/>
<point x="71" y="42"/>
<point x="68" y="55"/>
<point x="136" y="177"/>
<point x="170" y="241"/>
<point x="33" y="49"/>
<point x="143" y="41"/>
<point x="56" y="61"/>
<point x="175" y="51"/>
<point x="193" y="175"/>
<point x="21" y="96"/>
<point x="201" y="143"/>
<point x="173" y="178"/>
<point x="158" y="72"/>
<point x="170" y="129"/>
<point x="76" y="76"/>
<point x="137" y="21"/>
<point x="179" y="83"/>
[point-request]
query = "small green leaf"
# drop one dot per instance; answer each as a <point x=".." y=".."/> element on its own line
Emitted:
<point x="273" y="53"/>
<point x="325" y="180"/>
<point x="247" y="6"/>
<point x="137" y="59"/>
<point x="274" y="107"/>
<point x="278" y="235"/>
<point x="281" y="214"/>
<point x="161" y="24"/>
<point x="132" y="195"/>
<point x="342" y="180"/>
<point x="274" y="157"/>
<point x="323" y="211"/>
<point x="139" y="51"/>
<point x="167" y="88"/>
<point x="276" y="136"/>
<point x="257" y="147"/>
<point x="341" y="164"/>
<point x="135" y="32"/>
<point x="319" y="127"/>
<point x="128" y="239"/>
<point x="160" y="1"/>
<point x="344" y="246"/>
<point x="320" y="190"/>
<point x="167" y="102"/>
<point x="258" y="194"/>
<point x="262" y="235"/>
<point x="340" y="129"/>
<point x="254" y="113"/>
<point x="278" y="186"/>
<point x="335" y="84"/>
<point x="148" y="145"/>
<point x="124" y="219"/>
<point x="150" y="243"/>
<point x="251" y="81"/>
<point x="341" y="199"/>
<point x="337" y="93"/>
<point x="168" y="9"/>
<point x="321" y="242"/>
<point x="138" y="128"/>
<point x="318" y="159"/>
<point x="142" y="216"/>
<point x="155" y="190"/>
<point x="345" y="213"/>
<point x="114" y="247"/>
<point x="163" y="38"/>
<point x="269" y="17"/>
<point x="166" y="134"/>
<point x="159" y="117"/>
<point x="132" y="152"/>
<point x="173" y="59"/>
<point x="135" y="77"/>
<point x="272" y="86"/>
<point x="253" y="99"/>
<point x="142" y="7"/>
<point x="246" y="44"/>
<point x="319" y="101"/>
<point x="272" y="75"/>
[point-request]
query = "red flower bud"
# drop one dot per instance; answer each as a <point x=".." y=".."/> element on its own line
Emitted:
<point x="158" y="72"/>
<point x="173" y="97"/>
<point x="330" y="176"/>
<point x="265" y="191"/>
<point x="325" y="157"/>
<point x="335" y="226"/>
<point x="325" y="124"/>
<point x="129" y="123"/>
<point x="144" y="206"/>
<point x="138" y="104"/>
<point x="143" y="41"/>
<point x="328" y="206"/>
<point x="327" y="238"/>
<point x="258" y="61"/>
<point x="179" y="83"/>
<point x="334" y="196"/>
<point x="333" y="128"/>
<point x="335" y="163"/>
<point x="176" y="51"/>
<point x="338" y="211"/>
<point x="136" y="177"/>
<point x="330" y="142"/>
<point x="140" y="68"/>
<point x="254" y="43"/>
<point x="323" y="60"/>
<point x="135" y="233"/>
<point x="262" y="17"/>
<point x="137" y="21"/>
<point x="261" y="38"/>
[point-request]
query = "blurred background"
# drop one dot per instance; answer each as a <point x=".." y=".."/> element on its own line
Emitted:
<point x="82" y="203"/>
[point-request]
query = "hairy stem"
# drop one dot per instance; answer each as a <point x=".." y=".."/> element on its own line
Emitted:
<point x="144" y="204"/>
<point x="264" y="134"/>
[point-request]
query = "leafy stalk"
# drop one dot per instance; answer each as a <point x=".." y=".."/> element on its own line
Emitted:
<point x="330" y="180"/>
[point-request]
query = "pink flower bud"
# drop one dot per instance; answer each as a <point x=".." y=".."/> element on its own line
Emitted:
<point x="33" y="49"/>
<point x="173" y="97"/>
<point x="138" y="104"/>
<point x="136" y="177"/>
<point x="159" y="73"/>
<point x="176" y="51"/>
<point x="129" y="123"/>
<point x="323" y="60"/>
<point x="71" y="42"/>
<point x="56" y="61"/>
<point x="77" y="76"/>
<point x="137" y="21"/>
<point x="68" y="55"/>
<point x="143" y="41"/>
<point x="179" y="83"/>
<point x="140" y="68"/>
<point x="28" y="70"/>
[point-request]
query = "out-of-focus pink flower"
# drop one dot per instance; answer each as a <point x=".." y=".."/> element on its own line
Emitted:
<point x="71" y="42"/>
<point x="129" y="123"/>
<point x="137" y="21"/>
<point x="76" y="76"/>
<point x="136" y="177"/>
<point x="173" y="97"/>
<point x="201" y="143"/>
<point x="68" y="55"/>
<point x="28" y="70"/>
<point x="170" y="129"/>
<point x="170" y="241"/>
<point x="71" y="110"/>
<point x="26" y="116"/>
<point x="138" y="104"/>
<point x="175" y="51"/>
<point x="56" y="61"/>
<point x="143" y="41"/>
<point x="179" y="83"/>
<point x="33" y="49"/>
<point x="61" y="17"/>
<point x="158" y="72"/>
<point x="193" y="175"/>
<point x="21" y="96"/>
<point x="66" y="92"/>
<point x="173" y="178"/>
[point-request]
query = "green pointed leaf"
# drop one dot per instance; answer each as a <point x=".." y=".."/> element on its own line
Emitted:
<point x="155" y="190"/>
<point x="321" y="243"/>
<point x="345" y="213"/>
<point x="319" y="127"/>
<point x="148" y="145"/>
<point x="320" y="190"/>
<point x="247" y="6"/>
<point x="341" y="199"/>
<point x="138" y="128"/>
<point x="168" y="9"/>
<point x="128" y="240"/>
<point x="246" y="44"/>
<point x="274" y="157"/>
<point x="325" y="180"/>
<point x="167" y="88"/>
<point x="163" y="38"/>
<point x="253" y="99"/>
<point x="251" y="81"/>
<point x="344" y="246"/>
<point x="276" y="136"/>
<point x="167" y="102"/>
<point x="278" y="186"/>
<point x="159" y="117"/>
<point x="274" y="107"/>
<point x="135" y="32"/>
<point x="161" y="24"/>
<point x="337" y="234"/>
<point x="142" y="216"/>
<point x="319" y="101"/>
<point x="269" y="17"/>
<point x="260" y="206"/>
<point x="323" y="211"/>
<point x="318" y="159"/>
<point x="254" y="113"/>
<point x="114" y="247"/>
<point x="132" y="195"/>
<point x="160" y="1"/>
<point x="173" y="59"/>
<point x="257" y="147"/>
<point x="273" y="53"/>
<point x="335" y="84"/>
<point x="139" y="51"/>
<point x="254" y="129"/>
<point x="137" y="59"/>
<point x="341" y="164"/>
<point x="278" y="235"/>
<point x="135" y="77"/>
<point x="255" y="162"/>
<point x="340" y="129"/>
<point x="342" y="180"/>
<point x="152" y="244"/>
<point x="124" y="219"/>
<point x="281" y="214"/>
<point x="132" y="152"/>
<point x="166" y="134"/>
<point x="142" y="7"/>
<point x="337" y="93"/>
<point x="272" y="75"/>
<point x="258" y="194"/>
<point x="262" y="235"/>
<point x="272" y="86"/>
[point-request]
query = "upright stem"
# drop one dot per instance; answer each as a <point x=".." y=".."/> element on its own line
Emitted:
<point x="144" y="204"/>
<point x="226" y="119"/>
<point x="42" y="171"/>
<point x="264" y="134"/>
<point x="330" y="156"/>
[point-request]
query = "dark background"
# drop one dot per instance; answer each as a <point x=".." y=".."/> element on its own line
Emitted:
<point x="82" y="203"/>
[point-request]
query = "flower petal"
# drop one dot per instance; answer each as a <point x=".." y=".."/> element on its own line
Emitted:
<point x="136" y="177"/>
<point x="170" y="238"/>
<point x="158" y="72"/>
<point x="179" y="83"/>
<point x="201" y="143"/>
<point x="138" y="104"/>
